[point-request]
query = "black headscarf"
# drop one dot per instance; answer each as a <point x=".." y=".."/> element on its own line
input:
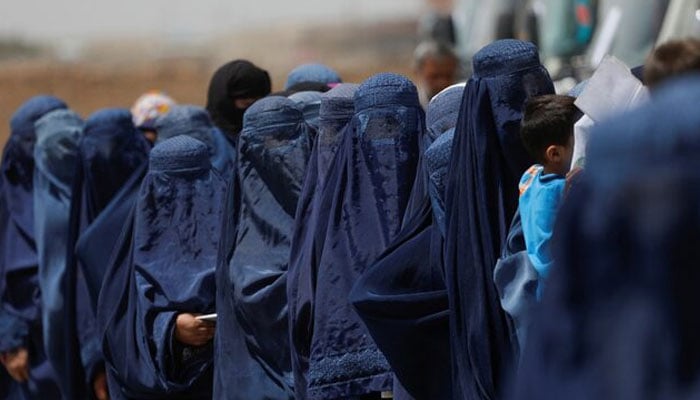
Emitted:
<point x="239" y="79"/>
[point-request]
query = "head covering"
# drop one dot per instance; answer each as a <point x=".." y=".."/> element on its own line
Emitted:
<point x="21" y="309"/>
<point x="56" y="157"/>
<point x="617" y="319"/>
<point x="165" y="266"/>
<point x="437" y="164"/>
<point x="252" y="337"/>
<point x="487" y="161"/>
<point x="149" y="107"/>
<point x="194" y="121"/>
<point x="337" y="108"/>
<point x="442" y="114"/>
<point x="237" y="79"/>
<point x="367" y="190"/>
<point x="312" y="73"/>
<point x="310" y="104"/>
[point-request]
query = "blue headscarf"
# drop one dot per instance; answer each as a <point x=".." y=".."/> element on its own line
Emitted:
<point x="487" y="161"/>
<point x="111" y="164"/>
<point x="618" y="317"/>
<point x="367" y="191"/>
<point x="55" y="155"/>
<point x="252" y="338"/>
<point x="310" y="104"/>
<point x="172" y="246"/>
<point x="441" y="117"/>
<point x="312" y="73"/>
<point x="194" y="121"/>
<point x="337" y="108"/>
<point x="20" y="314"/>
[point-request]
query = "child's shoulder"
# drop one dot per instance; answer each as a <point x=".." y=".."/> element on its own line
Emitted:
<point x="529" y="177"/>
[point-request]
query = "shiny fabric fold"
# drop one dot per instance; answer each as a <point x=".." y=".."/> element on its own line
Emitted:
<point x="164" y="266"/>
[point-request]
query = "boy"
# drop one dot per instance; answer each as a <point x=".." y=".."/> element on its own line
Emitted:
<point x="547" y="132"/>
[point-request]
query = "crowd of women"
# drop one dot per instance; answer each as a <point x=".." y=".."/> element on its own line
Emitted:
<point x="347" y="242"/>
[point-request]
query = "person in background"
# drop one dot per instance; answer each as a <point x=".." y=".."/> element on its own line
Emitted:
<point x="233" y="88"/>
<point x="670" y="59"/>
<point x="437" y="67"/>
<point x="548" y="134"/>
<point x="147" y="109"/>
<point x="315" y="72"/>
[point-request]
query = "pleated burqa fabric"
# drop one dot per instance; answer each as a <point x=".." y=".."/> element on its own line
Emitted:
<point x="366" y="192"/>
<point x="21" y="313"/>
<point x="402" y="297"/>
<point x="56" y="156"/>
<point x="164" y="266"/>
<point x="488" y="159"/>
<point x="252" y="343"/>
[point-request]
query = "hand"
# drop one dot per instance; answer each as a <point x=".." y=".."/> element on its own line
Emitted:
<point x="99" y="386"/>
<point x="193" y="332"/>
<point x="17" y="364"/>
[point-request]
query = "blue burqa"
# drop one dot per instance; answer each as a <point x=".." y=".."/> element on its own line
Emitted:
<point x="20" y="311"/>
<point x="310" y="104"/>
<point x="402" y="297"/>
<point x="111" y="163"/>
<point x="252" y="344"/>
<point x="487" y="162"/>
<point x="164" y="266"/>
<point x="618" y="318"/>
<point x="366" y="193"/>
<point x="337" y="108"/>
<point x="55" y="157"/>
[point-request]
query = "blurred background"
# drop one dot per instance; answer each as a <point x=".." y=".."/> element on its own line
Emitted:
<point x="97" y="53"/>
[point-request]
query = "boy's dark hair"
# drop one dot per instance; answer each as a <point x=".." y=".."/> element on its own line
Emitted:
<point x="547" y="120"/>
<point x="673" y="58"/>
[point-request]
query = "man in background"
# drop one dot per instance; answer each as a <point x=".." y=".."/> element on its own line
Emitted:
<point x="436" y="66"/>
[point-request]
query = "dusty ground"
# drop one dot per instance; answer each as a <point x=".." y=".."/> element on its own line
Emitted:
<point x="114" y="74"/>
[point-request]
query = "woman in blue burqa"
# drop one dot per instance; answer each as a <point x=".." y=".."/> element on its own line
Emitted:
<point x="55" y="155"/>
<point x="161" y="277"/>
<point x="337" y="108"/>
<point x="366" y="193"/>
<point x="487" y="162"/>
<point x="252" y="342"/>
<point x="402" y="297"/>
<point x="21" y="336"/>
<point x="112" y="161"/>
<point x="618" y="318"/>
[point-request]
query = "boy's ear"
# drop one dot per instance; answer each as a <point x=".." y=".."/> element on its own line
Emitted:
<point x="553" y="153"/>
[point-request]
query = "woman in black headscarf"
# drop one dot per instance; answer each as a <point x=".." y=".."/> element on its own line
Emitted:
<point x="234" y="87"/>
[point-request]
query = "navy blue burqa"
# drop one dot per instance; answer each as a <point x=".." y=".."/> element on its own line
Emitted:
<point x="337" y="108"/>
<point x="488" y="160"/>
<point x="618" y="318"/>
<point x="402" y="297"/>
<point x="164" y="266"/>
<point x="441" y="116"/>
<point x="310" y="103"/>
<point x="111" y="163"/>
<point x="20" y="314"/>
<point x="367" y="192"/>
<point x="55" y="157"/>
<point x="252" y="345"/>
